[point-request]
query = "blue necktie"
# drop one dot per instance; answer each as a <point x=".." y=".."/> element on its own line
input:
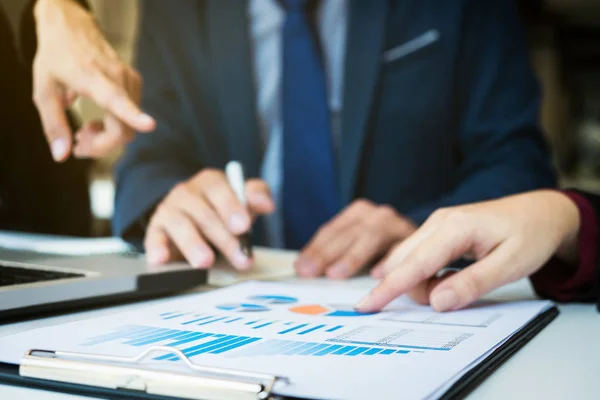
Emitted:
<point x="310" y="194"/>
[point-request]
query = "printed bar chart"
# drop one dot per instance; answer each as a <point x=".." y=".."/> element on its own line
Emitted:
<point x="195" y="343"/>
<point x="284" y="327"/>
<point x="275" y="347"/>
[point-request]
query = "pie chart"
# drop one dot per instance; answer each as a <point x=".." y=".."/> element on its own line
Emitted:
<point x="258" y="303"/>
<point x="273" y="299"/>
<point x="327" y="310"/>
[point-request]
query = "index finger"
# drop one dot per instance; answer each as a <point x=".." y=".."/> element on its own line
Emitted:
<point x="115" y="99"/>
<point x="434" y="253"/>
<point x="53" y="118"/>
<point x="223" y="200"/>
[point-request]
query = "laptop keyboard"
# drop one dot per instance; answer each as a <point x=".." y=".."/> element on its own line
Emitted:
<point x="11" y="275"/>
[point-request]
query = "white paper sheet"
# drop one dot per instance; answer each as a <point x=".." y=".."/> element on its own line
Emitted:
<point x="309" y="334"/>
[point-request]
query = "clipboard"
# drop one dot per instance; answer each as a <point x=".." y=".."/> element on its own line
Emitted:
<point x="122" y="378"/>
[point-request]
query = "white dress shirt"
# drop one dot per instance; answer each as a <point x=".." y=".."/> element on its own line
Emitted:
<point x="266" y="24"/>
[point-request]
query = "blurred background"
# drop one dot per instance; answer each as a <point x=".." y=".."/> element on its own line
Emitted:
<point x="565" y="50"/>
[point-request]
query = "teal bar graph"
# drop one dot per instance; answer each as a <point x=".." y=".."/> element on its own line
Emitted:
<point x="293" y="329"/>
<point x="197" y="320"/>
<point x="237" y="345"/>
<point x="314" y="328"/>
<point x="212" y="320"/>
<point x="262" y="325"/>
<point x="335" y="328"/>
<point x="274" y="347"/>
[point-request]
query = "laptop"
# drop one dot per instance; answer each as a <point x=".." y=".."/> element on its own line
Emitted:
<point x="34" y="282"/>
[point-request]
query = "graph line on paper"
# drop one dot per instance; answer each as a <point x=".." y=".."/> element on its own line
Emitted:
<point x="194" y="343"/>
<point x="465" y="318"/>
<point x="415" y="339"/>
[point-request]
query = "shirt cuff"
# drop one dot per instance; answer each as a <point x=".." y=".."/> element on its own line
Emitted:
<point x="561" y="282"/>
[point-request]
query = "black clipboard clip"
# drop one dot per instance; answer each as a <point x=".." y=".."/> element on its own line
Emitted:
<point x="188" y="380"/>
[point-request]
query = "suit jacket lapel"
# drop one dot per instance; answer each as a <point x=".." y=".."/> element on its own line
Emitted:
<point x="229" y="39"/>
<point x="363" y="60"/>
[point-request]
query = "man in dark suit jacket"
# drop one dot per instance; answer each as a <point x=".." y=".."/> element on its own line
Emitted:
<point x="36" y="195"/>
<point x="438" y="107"/>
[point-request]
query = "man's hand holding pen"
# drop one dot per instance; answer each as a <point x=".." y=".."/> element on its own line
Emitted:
<point x="205" y="211"/>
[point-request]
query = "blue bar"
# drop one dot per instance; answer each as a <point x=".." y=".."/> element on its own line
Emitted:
<point x="217" y="339"/>
<point x="175" y="316"/>
<point x="147" y="335"/>
<point x="214" y="320"/>
<point x="314" y="349"/>
<point x="395" y="345"/>
<point x="192" y="338"/>
<point x="294" y="348"/>
<point x="297" y="350"/>
<point x="174" y="335"/>
<point x="373" y="351"/>
<point x="196" y="320"/>
<point x="335" y="328"/>
<point x="388" y="351"/>
<point x="123" y="333"/>
<point x="288" y="323"/>
<point x="233" y="320"/>
<point x="151" y="337"/>
<point x="190" y="350"/>
<point x="254" y="350"/>
<point x="292" y="329"/>
<point x="253" y="322"/>
<point x="217" y="344"/>
<point x="262" y="325"/>
<point x="143" y="332"/>
<point x="311" y="329"/>
<point x="226" y="343"/>
<point x="328" y="350"/>
<point x="357" y="351"/>
<point x="270" y="346"/>
<point x="344" y="350"/>
<point x="402" y="352"/>
<point x="166" y="313"/>
<point x="281" y="347"/>
<point x="235" y="345"/>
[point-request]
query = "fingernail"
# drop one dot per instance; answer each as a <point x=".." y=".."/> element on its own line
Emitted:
<point x="238" y="223"/>
<point x="444" y="300"/>
<point x="361" y="305"/>
<point x="201" y="258"/>
<point x="241" y="261"/>
<point x="59" y="149"/>
<point x="145" y="119"/>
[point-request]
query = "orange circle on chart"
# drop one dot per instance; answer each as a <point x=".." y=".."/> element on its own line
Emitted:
<point x="314" y="309"/>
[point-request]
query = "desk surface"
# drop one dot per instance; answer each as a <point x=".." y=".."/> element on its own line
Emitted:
<point x="562" y="362"/>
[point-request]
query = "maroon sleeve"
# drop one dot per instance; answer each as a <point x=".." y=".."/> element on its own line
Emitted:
<point x="562" y="282"/>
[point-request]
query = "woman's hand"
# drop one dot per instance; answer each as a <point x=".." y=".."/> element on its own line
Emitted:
<point x="509" y="239"/>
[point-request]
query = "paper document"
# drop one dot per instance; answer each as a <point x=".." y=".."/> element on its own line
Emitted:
<point x="310" y="334"/>
<point x="62" y="245"/>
